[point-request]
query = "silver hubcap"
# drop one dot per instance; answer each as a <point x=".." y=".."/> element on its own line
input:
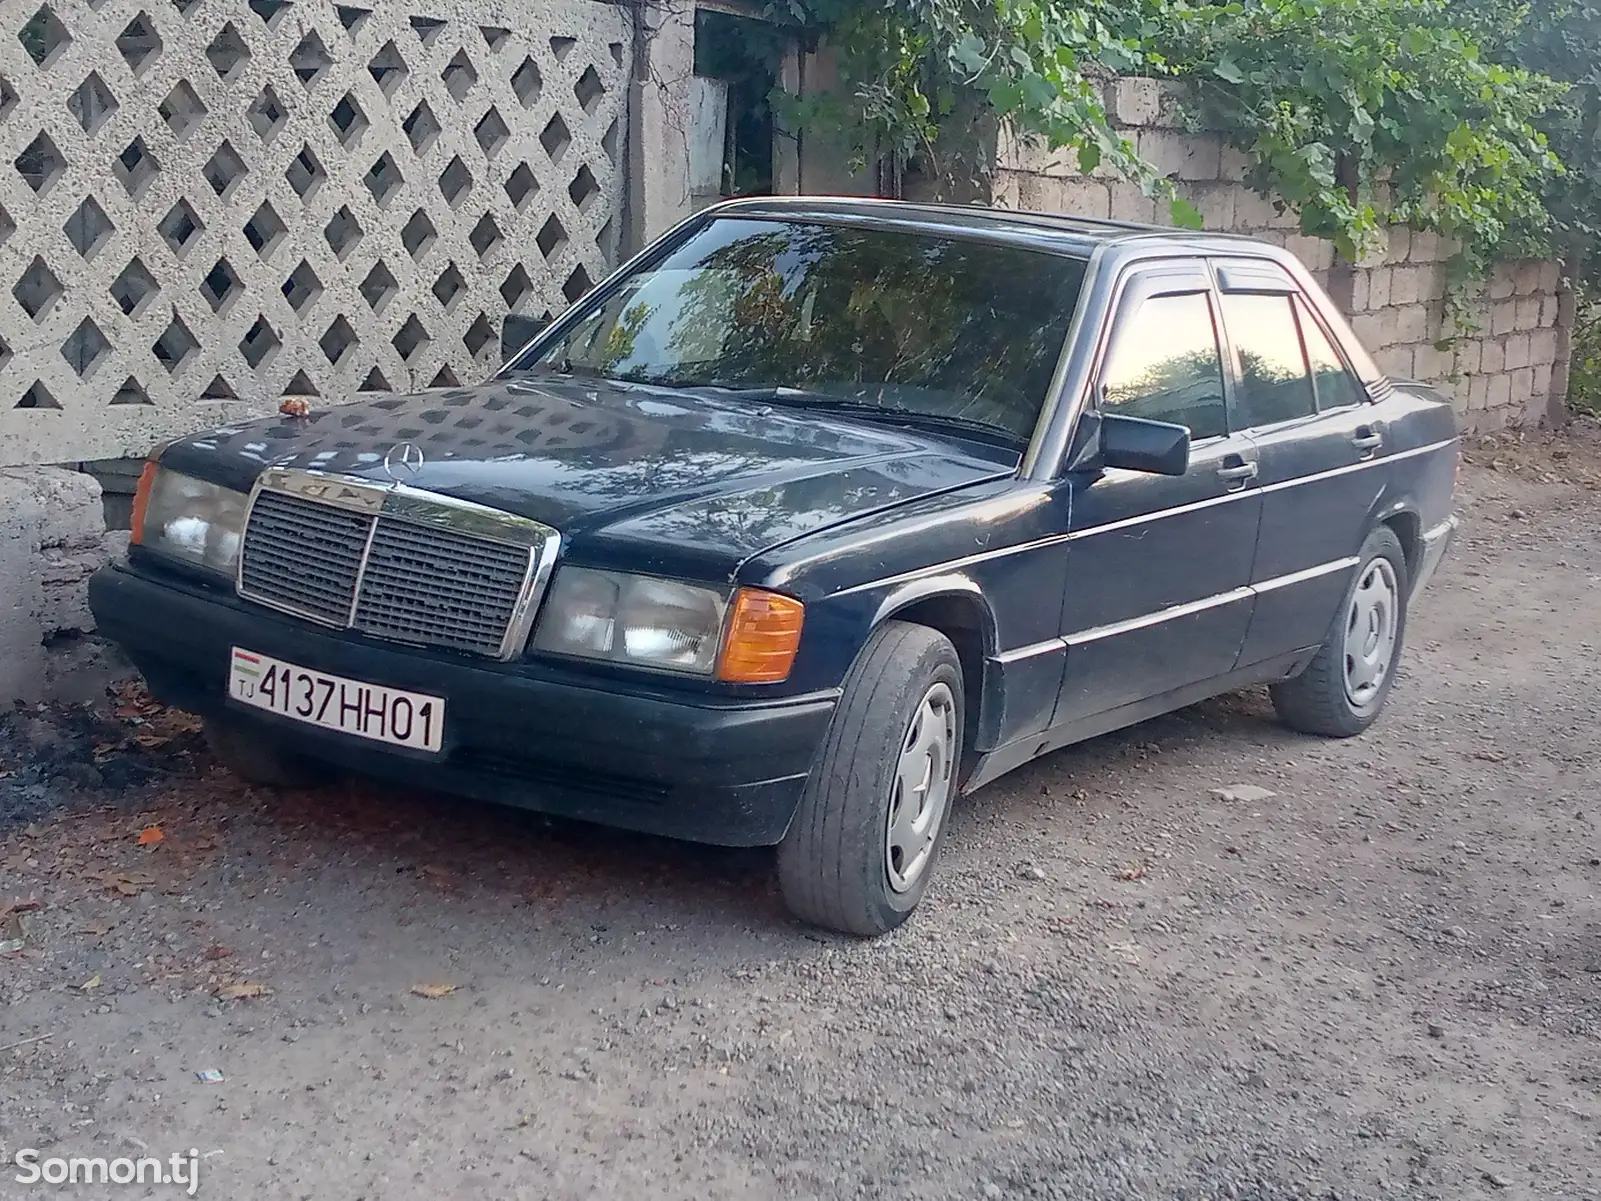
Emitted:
<point x="1370" y="630"/>
<point x="922" y="788"/>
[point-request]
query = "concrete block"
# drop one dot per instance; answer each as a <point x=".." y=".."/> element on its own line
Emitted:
<point x="1181" y="155"/>
<point x="1430" y="363"/>
<point x="1234" y="165"/>
<point x="1380" y="280"/>
<point x="1434" y="287"/>
<point x="1316" y="253"/>
<point x="1400" y="243"/>
<point x="1361" y="287"/>
<point x="1543" y="374"/>
<point x="1135" y="102"/>
<point x="1077" y="197"/>
<point x="1521" y="386"/>
<point x="1409" y="285"/>
<point x="1518" y="352"/>
<point x="1467" y="358"/>
<point x="1253" y="211"/>
<point x="1543" y="347"/>
<point x="1395" y="361"/>
<point x="1373" y="328"/>
<point x="1410" y="323"/>
<point x="1425" y="247"/>
<point x="1550" y="276"/>
<point x="1503" y="282"/>
<point x="1493" y="356"/>
<point x="1503" y="317"/>
<point x="1500" y="393"/>
<point x="1526" y="278"/>
<point x="1550" y="309"/>
<point x="1478" y="392"/>
<point x="1528" y="312"/>
<point x="1215" y="203"/>
<point x="1129" y="203"/>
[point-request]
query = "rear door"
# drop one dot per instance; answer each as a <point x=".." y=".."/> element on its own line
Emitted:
<point x="1320" y="451"/>
<point x="1159" y="566"/>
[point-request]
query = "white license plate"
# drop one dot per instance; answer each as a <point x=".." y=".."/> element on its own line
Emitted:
<point x="408" y="719"/>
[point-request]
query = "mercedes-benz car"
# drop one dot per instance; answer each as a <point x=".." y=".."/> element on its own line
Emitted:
<point x="812" y="517"/>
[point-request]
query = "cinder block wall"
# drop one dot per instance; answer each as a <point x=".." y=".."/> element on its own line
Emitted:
<point x="1510" y="370"/>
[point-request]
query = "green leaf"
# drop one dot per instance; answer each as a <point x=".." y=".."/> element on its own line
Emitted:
<point x="1185" y="214"/>
<point x="1089" y="157"/>
<point x="1228" y="70"/>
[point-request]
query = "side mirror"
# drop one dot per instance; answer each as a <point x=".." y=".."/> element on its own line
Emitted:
<point x="517" y="332"/>
<point x="1135" y="444"/>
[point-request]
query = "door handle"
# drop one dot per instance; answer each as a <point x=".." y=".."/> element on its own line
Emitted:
<point x="1236" y="472"/>
<point x="1367" y="440"/>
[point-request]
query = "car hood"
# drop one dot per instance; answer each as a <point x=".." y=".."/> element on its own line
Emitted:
<point x="621" y="470"/>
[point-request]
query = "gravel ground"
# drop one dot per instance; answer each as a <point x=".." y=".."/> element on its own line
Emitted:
<point x="1384" y="980"/>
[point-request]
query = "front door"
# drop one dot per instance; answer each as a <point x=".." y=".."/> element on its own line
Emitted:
<point x="1159" y="567"/>
<point x="1322" y="465"/>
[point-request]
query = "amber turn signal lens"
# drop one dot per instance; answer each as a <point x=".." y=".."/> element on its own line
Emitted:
<point x="763" y="635"/>
<point x="141" y="499"/>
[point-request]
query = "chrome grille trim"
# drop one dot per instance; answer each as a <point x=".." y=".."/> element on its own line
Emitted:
<point x="485" y="571"/>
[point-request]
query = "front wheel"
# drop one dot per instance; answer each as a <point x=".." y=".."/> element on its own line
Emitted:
<point x="860" y="853"/>
<point x="1341" y="693"/>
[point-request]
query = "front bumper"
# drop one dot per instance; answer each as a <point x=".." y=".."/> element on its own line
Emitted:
<point x="1436" y="542"/>
<point x="701" y="769"/>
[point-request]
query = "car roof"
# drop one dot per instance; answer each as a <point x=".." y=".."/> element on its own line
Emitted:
<point x="1063" y="232"/>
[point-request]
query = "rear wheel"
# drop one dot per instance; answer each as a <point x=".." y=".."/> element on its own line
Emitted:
<point x="257" y="758"/>
<point x="1341" y="693"/>
<point x="860" y="853"/>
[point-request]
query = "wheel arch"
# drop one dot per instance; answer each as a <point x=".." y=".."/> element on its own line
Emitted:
<point x="1402" y="520"/>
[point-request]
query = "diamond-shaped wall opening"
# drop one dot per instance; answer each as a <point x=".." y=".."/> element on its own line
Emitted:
<point x="88" y="228"/>
<point x="347" y="120"/>
<point x="589" y="90"/>
<point x="5" y="354"/>
<point x="265" y="230"/>
<point x="577" y="286"/>
<point x="383" y="178"/>
<point x="342" y="232"/>
<point x="175" y="346"/>
<point x="492" y="132"/>
<point x="378" y="289"/>
<point x="527" y="83"/>
<point x="606" y="241"/>
<point x="182" y="110"/>
<point x="449" y="286"/>
<point x="337" y="340"/>
<point x="427" y="28"/>
<point x="616" y="49"/>
<point x="418" y="235"/>
<point x="608" y="142"/>
<point x="521" y="185"/>
<point x="131" y="393"/>
<point x="305" y="173"/>
<point x="561" y="47"/>
<point x="259" y="344"/>
<point x="584" y="188"/>
<point x="552" y="236"/>
<point x="41" y="164"/>
<point x="7" y="226"/>
<point x="459" y="75"/>
<point x="421" y="127"/>
<point x="410" y="338"/>
<point x="268" y="10"/>
<point x="267" y="114"/>
<point x="495" y="37"/>
<point x="84" y="348"/>
<point x="310" y="59"/>
<point x="388" y="69"/>
<point x="455" y="181"/>
<point x="136" y="167"/>
<point x="180" y="228"/>
<point x="92" y="104"/>
<point x="38" y="397"/>
<point x="480" y="337"/>
<point x="300" y="385"/>
<point x="302" y="287"/>
<point x="37" y="290"/>
<point x="516" y="288"/>
<point x="375" y="382"/>
<point x="221" y="286"/>
<point x="351" y="17"/>
<point x="138" y="42"/>
<point x="445" y="378"/>
<point x="8" y="98"/>
<point x="485" y="236"/>
<point x="44" y="37"/>
<point x="218" y="389"/>
<point x="227" y="52"/>
<point x="183" y="6"/>
<point x="224" y="170"/>
<point x="556" y="138"/>
<point x="134" y="288"/>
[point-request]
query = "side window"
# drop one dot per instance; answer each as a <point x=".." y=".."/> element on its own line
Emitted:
<point x="1274" y="383"/>
<point x="1337" y="388"/>
<point x="1164" y="366"/>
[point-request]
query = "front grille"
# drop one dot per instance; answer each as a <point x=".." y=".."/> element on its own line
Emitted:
<point x="383" y="575"/>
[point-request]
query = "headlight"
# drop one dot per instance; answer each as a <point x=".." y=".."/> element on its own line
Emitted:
<point x="632" y="619"/>
<point x="189" y="520"/>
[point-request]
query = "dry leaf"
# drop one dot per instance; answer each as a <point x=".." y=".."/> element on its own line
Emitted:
<point x="218" y="952"/>
<point x="97" y="929"/>
<point x="150" y="835"/>
<point x="295" y="406"/>
<point x="433" y="991"/>
<point x="127" y="888"/>
<point x="241" y="990"/>
<point x="1131" y="873"/>
<point x="151" y="741"/>
<point x="91" y="982"/>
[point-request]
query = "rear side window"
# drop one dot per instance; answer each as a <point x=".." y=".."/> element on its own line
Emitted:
<point x="1164" y="366"/>
<point x="1337" y="388"/>
<point x="1275" y="384"/>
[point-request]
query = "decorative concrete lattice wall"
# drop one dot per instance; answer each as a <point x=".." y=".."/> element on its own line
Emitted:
<point x="1512" y="369"/>
<point x="206" y="205"/>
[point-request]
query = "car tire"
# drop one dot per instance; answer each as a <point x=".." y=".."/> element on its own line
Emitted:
<point x="863" y="845"/>
<point x="257" y="758"/>
<point x="1343" y="690"/>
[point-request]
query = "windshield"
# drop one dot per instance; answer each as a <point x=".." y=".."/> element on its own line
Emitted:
<point x="904" y="322"/>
